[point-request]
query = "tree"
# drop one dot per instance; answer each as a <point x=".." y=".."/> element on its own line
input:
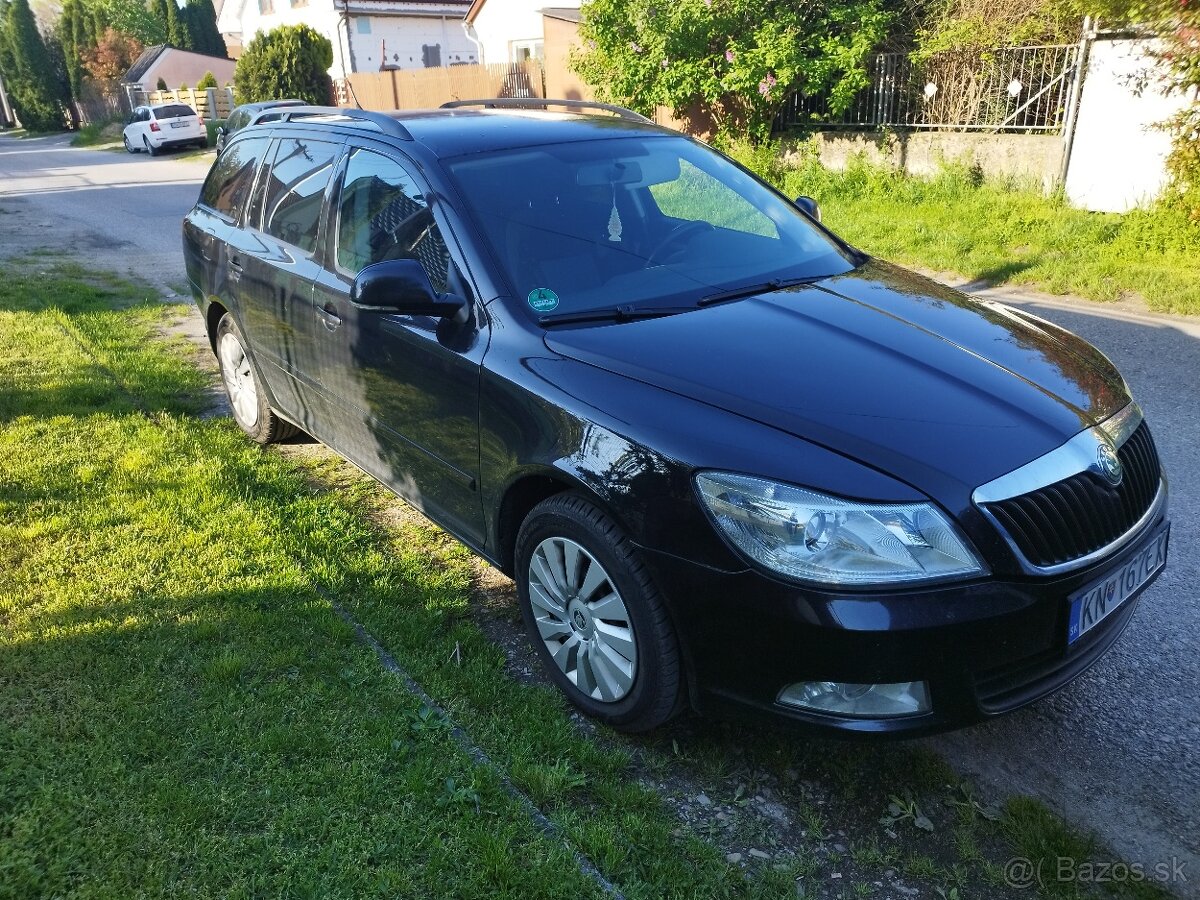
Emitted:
<point x="731" y="63"/>
<point x="73" y="31"/>
<point x="177" y="31"/>
<point x="34" y="87"/>
<point x="207" y="81"/>
<point x="162" y="84"/>
<point x="202" y="24"/>
<point x="289" y="61"/>
<point x="112" y="56"/>
<point x="134" y="18"/>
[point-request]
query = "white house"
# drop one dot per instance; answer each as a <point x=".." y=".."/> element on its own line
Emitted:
<point x="509" y="30"/>
<point x="367" y="35"/>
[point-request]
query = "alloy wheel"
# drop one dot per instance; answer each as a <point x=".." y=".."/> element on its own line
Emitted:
<point x="239" y="380"/>
<point x="582" y="619"/>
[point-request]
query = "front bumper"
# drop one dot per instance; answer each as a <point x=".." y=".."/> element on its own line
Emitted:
<point x="985" y="647"/>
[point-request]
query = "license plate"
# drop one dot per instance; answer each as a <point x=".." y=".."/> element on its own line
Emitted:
<point x="179" y="124"/>
<point x="1090" y="606"/>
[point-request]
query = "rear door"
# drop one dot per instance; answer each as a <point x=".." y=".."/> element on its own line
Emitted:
<point x="400" y="393"/>
<point x="213" y="222"/>
<point x="276" y="251"/>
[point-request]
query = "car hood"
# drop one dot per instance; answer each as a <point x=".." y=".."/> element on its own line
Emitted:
<point x="941" y="390"/>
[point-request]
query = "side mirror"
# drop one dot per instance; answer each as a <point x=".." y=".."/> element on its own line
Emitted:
<point x="808" y="206"/>
<point x="401" y="286"/>
<point x="220" y="131"/>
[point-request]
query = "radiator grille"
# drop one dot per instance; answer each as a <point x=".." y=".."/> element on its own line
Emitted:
<point x="1081" y="514"/>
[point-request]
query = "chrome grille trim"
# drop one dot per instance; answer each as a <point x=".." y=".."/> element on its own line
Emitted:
<point x="1075" y="456"/>
<point x="1045" y="509"/>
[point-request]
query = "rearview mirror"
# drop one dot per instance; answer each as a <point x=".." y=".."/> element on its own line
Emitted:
<point x="808" y="206"/>
<point x="402" y="286"/>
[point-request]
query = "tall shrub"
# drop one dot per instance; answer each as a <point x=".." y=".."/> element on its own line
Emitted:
<point x="289" y="61"/>
<point x="732" y="63"/>
<point x="35" y="87"/>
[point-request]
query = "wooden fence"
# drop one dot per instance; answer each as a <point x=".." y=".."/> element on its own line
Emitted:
<point x="212" y="103"/>
<point x="428" y="88"/>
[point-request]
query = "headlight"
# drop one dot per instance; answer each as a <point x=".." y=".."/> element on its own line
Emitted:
<point x="817" y="538"/>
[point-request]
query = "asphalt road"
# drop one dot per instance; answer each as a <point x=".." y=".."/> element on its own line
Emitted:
<point x="1118" y="751"/>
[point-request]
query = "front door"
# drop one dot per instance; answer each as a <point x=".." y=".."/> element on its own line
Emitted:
<point x="401" y="392"/>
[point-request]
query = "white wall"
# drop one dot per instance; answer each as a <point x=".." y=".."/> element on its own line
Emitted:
<point x="1117" y="160"/>
<point x="500" y="22"/>
<point x="404" y="38"/>
<point x="403" y="35"/>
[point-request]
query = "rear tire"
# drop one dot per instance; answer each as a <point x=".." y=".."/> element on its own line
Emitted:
<point x="149" y="147"/>
<point x="247" y="398"/>
<point x="594" y="616"/>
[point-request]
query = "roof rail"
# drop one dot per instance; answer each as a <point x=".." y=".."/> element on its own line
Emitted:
<point x="542" y="103"/>
<point x="382" y="121"/>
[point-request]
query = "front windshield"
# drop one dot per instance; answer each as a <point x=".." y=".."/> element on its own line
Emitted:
<point x="635" y="222"/>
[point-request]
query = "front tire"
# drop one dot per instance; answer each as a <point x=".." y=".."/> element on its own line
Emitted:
<point x="595" y="617"/>
<point x="247" y="398"/>
<point x="129" y="148"/>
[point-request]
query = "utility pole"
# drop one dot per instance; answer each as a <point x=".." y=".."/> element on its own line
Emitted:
<point x="7" y="117"/>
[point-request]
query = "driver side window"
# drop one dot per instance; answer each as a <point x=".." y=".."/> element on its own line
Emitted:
<point x="383" y="215"/>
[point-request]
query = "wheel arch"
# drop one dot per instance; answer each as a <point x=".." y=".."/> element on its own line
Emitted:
<point x="212" y="318"/>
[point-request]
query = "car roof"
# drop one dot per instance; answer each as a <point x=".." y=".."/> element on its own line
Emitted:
<point x="459" y="132"/>
<point x="157" y="106"/>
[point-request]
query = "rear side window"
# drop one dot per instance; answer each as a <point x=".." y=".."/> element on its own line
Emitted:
<point x="296" y="188"/>
<point x="173" y="112"/>
<point x="232" y="176"/>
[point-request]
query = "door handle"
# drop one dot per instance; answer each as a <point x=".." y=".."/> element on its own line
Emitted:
<point x="329" y="317"/>
<point x="235" y="262"/>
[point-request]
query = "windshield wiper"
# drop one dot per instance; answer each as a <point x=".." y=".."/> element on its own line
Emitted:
<point x="613" y="314"/>
<point x="765" y="287"/>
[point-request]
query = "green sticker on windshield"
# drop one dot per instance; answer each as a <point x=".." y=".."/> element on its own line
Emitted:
<point x="543" y="299"/>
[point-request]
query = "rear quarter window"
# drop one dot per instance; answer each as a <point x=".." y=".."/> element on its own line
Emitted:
<point x="232" y="176"/>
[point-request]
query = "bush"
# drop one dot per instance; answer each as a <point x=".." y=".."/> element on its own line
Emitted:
<point x="289" y="61"/>
<point x="162" y="85"/>
<point x="207" y="81"/>
<point x="729" y="65"/>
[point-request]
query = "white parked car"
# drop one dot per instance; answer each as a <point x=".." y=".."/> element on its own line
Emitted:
<point x="164" y="127"/>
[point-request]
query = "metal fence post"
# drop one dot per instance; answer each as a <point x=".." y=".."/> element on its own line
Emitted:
<point x="1081" y="61"/>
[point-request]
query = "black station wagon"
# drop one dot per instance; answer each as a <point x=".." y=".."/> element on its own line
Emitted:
<point x="731" y="462"/>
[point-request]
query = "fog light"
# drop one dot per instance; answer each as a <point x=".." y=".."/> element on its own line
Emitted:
<point x="859" y="701"/>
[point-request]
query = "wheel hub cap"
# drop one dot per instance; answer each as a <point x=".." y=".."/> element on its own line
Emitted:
<point x="582" y="619"/>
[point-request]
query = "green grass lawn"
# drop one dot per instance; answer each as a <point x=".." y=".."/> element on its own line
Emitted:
<point x="999" y="232"/>
<point x="183" y="712"/>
